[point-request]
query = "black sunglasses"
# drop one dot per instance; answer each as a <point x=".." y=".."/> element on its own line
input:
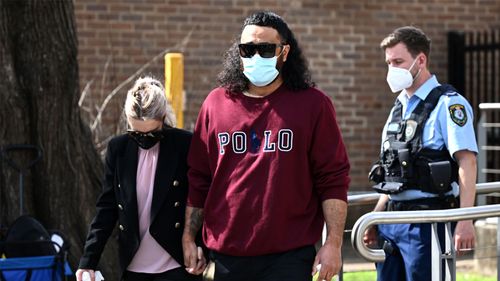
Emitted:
<point x="266" y="50"/>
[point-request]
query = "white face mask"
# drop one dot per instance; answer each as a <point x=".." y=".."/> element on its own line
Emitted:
<point x="400" y="78"/>
<point x="260" y="71"/>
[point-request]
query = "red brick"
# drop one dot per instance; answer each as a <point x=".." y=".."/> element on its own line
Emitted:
<point x="339" y="38"/>
<point x="96" y="7"/>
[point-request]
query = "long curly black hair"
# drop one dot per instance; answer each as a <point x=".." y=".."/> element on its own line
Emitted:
<point x="295" y="73"/>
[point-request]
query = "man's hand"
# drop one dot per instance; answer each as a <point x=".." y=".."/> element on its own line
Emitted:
<point x="370" y="238"/>
<point x="329" y="255"/>
<point x="464" y="237"/>
<point x="194" y="260"/>
<point x="467" y="167"/>
<point x="330" y="259"/>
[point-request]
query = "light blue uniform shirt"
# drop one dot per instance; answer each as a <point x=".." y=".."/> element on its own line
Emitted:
<point x="450" y="124"/>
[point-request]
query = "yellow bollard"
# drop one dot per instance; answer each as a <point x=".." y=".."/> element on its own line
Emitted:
<point x="174" y="88"/>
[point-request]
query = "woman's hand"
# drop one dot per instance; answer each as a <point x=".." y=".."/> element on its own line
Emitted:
<point x="79" y="274"/>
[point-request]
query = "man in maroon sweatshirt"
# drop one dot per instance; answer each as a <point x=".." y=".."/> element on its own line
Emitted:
<point x="267" y="165"/>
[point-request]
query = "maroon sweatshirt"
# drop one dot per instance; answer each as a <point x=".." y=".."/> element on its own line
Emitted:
<point x="260" y="168"/>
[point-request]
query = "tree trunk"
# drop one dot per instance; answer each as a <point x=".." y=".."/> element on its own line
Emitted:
<point x="39" y="92"/>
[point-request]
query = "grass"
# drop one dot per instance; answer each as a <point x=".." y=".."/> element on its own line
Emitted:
<point x="372" y="276"/>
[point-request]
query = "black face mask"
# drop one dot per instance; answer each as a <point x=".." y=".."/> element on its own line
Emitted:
<point x="146" y="140"/>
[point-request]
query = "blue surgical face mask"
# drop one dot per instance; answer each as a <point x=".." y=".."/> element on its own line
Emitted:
<point x="260" y="71"/>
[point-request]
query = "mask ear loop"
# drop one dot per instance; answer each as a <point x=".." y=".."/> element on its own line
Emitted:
<point x="416" y="76"/>
<point x="418" y="72"/>
<point x="413" y="64"/>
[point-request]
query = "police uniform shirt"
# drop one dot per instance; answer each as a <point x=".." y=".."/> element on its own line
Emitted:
<point x="450" y="124"/>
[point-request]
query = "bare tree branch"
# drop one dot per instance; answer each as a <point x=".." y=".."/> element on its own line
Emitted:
<point x="115" y="91"/>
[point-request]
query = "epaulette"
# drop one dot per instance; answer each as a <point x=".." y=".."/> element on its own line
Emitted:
<point x="451" y="94"/>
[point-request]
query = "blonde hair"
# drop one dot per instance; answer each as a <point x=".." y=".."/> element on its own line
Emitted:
<point x="146" y="100"/>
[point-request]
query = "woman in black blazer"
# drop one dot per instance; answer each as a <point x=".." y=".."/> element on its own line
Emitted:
<point x="144" y="190"/>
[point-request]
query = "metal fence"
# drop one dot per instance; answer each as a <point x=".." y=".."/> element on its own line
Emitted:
<point x="474" y="70"/>
<point x="488" y="138"/>
<point x="474" y="65"/>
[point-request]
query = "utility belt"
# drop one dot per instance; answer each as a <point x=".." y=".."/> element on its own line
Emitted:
<point x="430" y="171"/>
<point x="433" y="203"/>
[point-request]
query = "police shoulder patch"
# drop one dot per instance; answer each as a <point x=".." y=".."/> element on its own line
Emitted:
<point x="458" y="114"/>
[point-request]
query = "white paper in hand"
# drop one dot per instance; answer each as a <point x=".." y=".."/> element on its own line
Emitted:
<point x="318" y="268"/>
<point x="85" y="276"/>
<point x="98" y="276"/>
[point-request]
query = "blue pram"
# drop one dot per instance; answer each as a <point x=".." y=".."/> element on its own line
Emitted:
<point x="30" y="253"/>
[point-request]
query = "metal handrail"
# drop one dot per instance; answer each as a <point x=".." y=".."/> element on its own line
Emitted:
<point x="488" y="187"/>
<point x="374" y="218"/>
<point x="489" y="105"/>
<point x="363" y="199"/>
<point x="372" y="197"/>
<point x="490" y="147"/>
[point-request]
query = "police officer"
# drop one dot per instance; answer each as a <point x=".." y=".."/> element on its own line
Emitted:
<point x="427" y="159"/>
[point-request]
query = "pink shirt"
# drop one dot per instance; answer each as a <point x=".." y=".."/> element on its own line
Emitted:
<point x="150" y="257"/>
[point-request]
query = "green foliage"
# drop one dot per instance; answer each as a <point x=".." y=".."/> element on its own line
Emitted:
<point x="372" y="276"/>
<point x="360" y="276"/>
<point x="474" y="277"/>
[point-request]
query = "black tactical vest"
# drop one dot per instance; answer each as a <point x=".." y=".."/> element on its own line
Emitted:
<point x="404" y="163"/>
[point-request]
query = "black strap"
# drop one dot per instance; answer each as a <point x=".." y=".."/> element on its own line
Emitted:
<point x="420" y="114"/>
<point x="423" y="110"/>
<point x="397" y="116"/>
<point x="397" y="113"/>
<point x="434" y="203"/>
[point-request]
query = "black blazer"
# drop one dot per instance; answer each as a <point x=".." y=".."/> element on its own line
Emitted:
<point x="118" y="200"/>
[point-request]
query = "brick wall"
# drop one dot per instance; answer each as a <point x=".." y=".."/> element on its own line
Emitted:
<point x="340" y="39"/>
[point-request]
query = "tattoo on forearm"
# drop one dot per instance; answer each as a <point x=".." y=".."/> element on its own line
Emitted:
<point x="196" y="220"/>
